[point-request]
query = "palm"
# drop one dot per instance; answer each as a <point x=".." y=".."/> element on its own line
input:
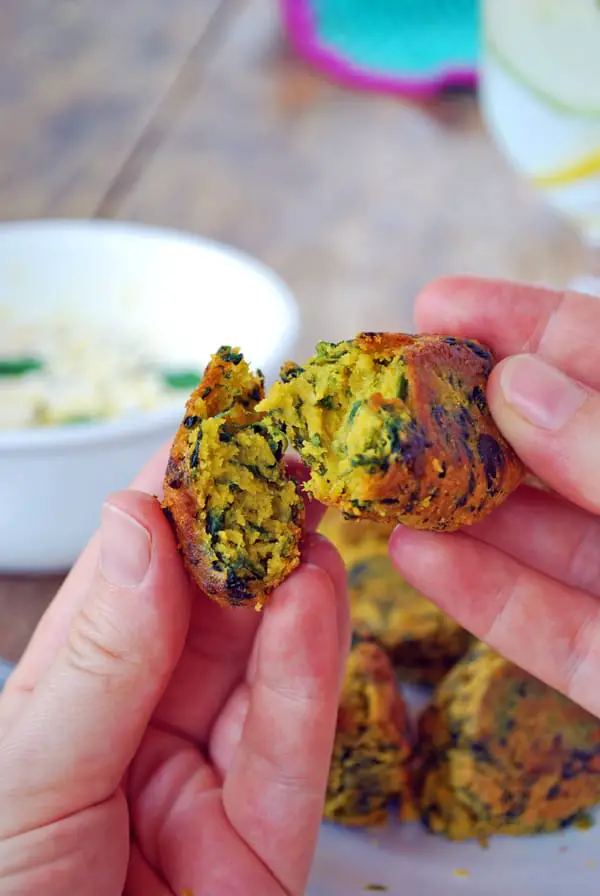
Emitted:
<point x="182" y="832"/>
<point x="207" y="804"/>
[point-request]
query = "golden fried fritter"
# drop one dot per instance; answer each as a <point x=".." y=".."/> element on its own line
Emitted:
<point x="372" y="747"/>
<point x="397" y="428"/>
<point x="503" y="753"/>
<point x="237" y="517"/>
<point x="422" y="641"/>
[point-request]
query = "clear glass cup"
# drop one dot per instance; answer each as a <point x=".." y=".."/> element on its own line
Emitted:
<point x="540" y="97"/>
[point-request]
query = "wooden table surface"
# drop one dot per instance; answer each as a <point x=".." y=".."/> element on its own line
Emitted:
<point x="193" y="113"/>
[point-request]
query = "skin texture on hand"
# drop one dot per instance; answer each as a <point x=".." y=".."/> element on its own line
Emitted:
<point x="526" y="580"/>
<point x="155" y="743"/>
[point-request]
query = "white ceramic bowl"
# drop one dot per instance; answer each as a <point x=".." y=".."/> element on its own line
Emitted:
<point x="186" y="295"/>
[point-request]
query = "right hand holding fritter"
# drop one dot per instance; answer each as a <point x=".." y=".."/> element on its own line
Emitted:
<point x="527" y="579"/>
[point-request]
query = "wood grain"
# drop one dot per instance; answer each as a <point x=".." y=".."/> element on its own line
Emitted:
<point x="356" y="200"/>
<point x="23" y="599"/>
<point x="80" y="83"/>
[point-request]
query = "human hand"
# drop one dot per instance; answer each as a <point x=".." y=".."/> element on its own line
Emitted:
<point x="527" y="579"/>
<point x="153" y="742"/>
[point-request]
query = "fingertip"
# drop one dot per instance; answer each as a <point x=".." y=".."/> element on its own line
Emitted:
<point x="300" y="473"/>
<point x="140" y="505"/>
<point x="299" y="635"/>
<point x="405" y="542"/>
<point x="314" y="514"/>
<point x="149" y="480"/>
<point x="320" y="551"/>
<point x="165" y="583"/>
<point x="420" y="556"/>
<point x="434" y="305"/>
<point x="308" y="587"/>
<point x="296" y="468"/>
<point x="147" y="511"/>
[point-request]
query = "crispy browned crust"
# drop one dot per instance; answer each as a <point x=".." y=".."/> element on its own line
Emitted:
<point x="502" y="753"/>
<point x="211" y="397"/>
<point x="460" y="466"/>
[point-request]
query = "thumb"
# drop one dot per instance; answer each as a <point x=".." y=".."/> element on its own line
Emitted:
<point x="85" y="719"/>
<point x="552" y="422"/>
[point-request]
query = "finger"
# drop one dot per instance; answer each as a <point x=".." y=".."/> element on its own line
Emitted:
<point x="227" y="732"/>
<point x="319" y="551"/>
<point x="50" y="633"/>
<point x="552" y="422"/>
<point x="220" y="643"/>
<point x="562" y="540"/>
<point x="86" y="717"/>
<point x="141" y="878"/>
<point x="181" y="827"/>
<point x="513" y="318"/>
<point x="549" y="629"/>
<point x="213" y="662"/>
<point x="274" y="791"/>
<point x="301" y="474"/>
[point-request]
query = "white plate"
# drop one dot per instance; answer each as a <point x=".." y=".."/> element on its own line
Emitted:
<point x="411" y="862"/>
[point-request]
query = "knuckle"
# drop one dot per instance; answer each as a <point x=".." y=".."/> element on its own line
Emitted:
<point x="278" y="770"/>
<point x="302" y="694"/>
<point x="581" y="669"/>
<point x="96" y="647"/>
<point x="502" y="603"/>
<point x="583" y="565"/>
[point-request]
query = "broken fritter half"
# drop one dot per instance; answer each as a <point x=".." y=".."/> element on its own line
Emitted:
<point x="237" y="516"/>
<point x="397" y="428"/>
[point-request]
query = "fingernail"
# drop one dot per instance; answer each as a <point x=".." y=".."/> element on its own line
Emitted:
<point x="539" y="393"/>
<point x="125" y="548"/>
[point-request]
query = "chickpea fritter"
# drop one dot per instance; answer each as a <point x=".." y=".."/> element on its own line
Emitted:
<point x="371" y="750"/>
<point x="238" y="518"/>
<point x="421" y="640"/>
<point x="503" y="753"/>
<point x="397" y="428"/>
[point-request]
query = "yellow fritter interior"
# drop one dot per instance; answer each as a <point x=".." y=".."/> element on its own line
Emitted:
<point x="327" y="411"/>
<point x="245" y="504"/>
<point x="237" y="515"/>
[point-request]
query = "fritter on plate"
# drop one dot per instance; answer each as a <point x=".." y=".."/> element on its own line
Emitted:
<point x="422" y="641"/>
<point x="503" y="753"/>
<point x="372" y="745"/>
